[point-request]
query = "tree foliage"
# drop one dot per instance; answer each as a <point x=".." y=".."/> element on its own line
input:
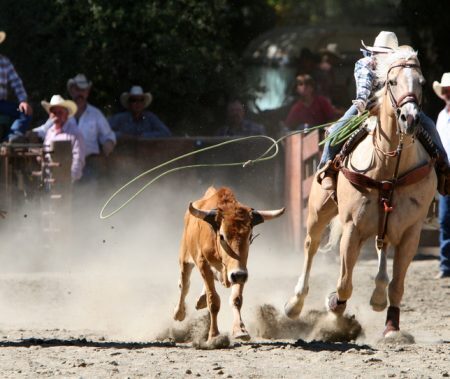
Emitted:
<point x="428" y="27"/>
<point x="186" y="52"/>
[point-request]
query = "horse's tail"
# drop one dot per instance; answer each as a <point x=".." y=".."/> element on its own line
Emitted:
<point x="334" y="236"/>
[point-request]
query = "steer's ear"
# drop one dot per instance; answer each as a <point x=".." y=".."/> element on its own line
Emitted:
<point x="256" y="218"/>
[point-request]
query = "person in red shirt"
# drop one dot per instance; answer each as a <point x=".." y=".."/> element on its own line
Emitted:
<point x="310" y="109"/>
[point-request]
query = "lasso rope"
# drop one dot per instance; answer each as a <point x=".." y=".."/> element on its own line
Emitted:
<point x="335" y="138"/>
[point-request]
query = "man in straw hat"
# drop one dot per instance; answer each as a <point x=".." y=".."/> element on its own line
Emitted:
<point x="64" y="128"/>
<point x="442" y="89"/>
<point x="21" y="112"/>
<point x="136" y="121"/>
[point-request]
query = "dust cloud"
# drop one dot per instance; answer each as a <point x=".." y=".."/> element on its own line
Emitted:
<point x="117" y="278"/>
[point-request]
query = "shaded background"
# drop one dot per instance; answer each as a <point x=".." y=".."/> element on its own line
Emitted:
<point x="193" y="54"/>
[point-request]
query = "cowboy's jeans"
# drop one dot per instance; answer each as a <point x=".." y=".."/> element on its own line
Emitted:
<point x="329" y="152"/>
<point x="444" y="235"/>
<point x="21" y="120"/>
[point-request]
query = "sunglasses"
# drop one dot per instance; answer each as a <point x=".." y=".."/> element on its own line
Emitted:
<point x="135" y="100"/>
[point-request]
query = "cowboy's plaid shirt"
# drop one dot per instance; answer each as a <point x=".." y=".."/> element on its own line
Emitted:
<point x="8" y="75"/>
<point x="364" y="78"/>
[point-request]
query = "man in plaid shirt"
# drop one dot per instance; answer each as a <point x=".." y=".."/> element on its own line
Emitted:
<point x="20" y="113"/>
<point x="366" y="85"/>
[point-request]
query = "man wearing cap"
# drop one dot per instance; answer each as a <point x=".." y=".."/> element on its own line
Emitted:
<point x="20" y="113"/>
<point x="136" y="121"/>
<point x="442" y="89"/>
<point x="90" y="120"/>
<point x="64" y="128"/>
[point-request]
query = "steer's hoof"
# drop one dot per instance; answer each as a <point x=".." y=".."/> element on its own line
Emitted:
<point x="201" y="302"/>
<point x="293" y="307"/>
<point x="334" y="305"/>
<point x="179" y="313"/>
<point x="241" y="335"/>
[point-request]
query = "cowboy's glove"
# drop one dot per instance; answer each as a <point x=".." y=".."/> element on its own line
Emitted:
<point x="360" y="105"/>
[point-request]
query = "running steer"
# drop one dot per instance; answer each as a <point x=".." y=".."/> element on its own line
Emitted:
<point x="216" y="238"/>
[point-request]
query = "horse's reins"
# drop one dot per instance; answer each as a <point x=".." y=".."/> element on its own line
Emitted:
<point x="386" y="187"/>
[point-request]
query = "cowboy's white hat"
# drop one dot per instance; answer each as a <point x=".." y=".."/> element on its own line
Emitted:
<point x="445" y="82"/>
<point x="136" y="91"/>
<point x="2" y="36"/>
<point x="385" y="42"/>
<point x="80" y="81"/>
<point x="57" y="100"/>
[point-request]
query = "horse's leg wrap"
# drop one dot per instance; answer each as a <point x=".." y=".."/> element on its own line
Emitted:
<point x="335" y="305"/>
<point x="392" y="320"/>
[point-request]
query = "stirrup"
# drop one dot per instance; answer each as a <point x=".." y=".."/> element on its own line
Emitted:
<point x="326" y="176"/>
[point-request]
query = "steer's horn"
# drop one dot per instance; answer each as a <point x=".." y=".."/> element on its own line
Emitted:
<point x="207" y="215"/>
<point x="260" y="216"/>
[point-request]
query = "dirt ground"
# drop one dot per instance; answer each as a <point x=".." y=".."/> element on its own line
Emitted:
<point x="99" y="302"/>
<point x="87" y="323"/>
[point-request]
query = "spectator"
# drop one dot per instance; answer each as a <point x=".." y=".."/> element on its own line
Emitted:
<point x="237" y="124"/>
<point x="442" y="89"/>
<point x="64" y="128"/>
<point x="136" y="121"/>
<point x="311" y="109"/>
<point x="307" y="62"/>
<point x="93" y="126"/>
<point x="91" y="121"/>
<point x="325" y="73"/>
<point x="21" y="112"/>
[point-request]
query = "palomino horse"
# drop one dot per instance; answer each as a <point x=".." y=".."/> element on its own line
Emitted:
<point x="384" y="188"/>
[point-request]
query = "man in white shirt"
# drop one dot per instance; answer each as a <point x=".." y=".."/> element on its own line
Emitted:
<point x="92" y="124"/>
<point x="65" y="129"/>
<point x="91" y="121"/>
<point x="442" y="89"/>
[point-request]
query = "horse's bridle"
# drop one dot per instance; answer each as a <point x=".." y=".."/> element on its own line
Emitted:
<point x="409" y="97"/>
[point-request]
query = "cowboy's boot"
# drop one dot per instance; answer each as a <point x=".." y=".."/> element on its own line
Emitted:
<point x="326" y="176"/>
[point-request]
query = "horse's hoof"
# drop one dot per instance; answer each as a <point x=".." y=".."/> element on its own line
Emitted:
<point x="334" y="305"/>
<point x="392" y="321"/>
<point x="377" y="307"/>
<point x="293" y="307"/>
<point x="390" y="330"/>
<point x="201" y="302"/>
<point x="179" y="313"/>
